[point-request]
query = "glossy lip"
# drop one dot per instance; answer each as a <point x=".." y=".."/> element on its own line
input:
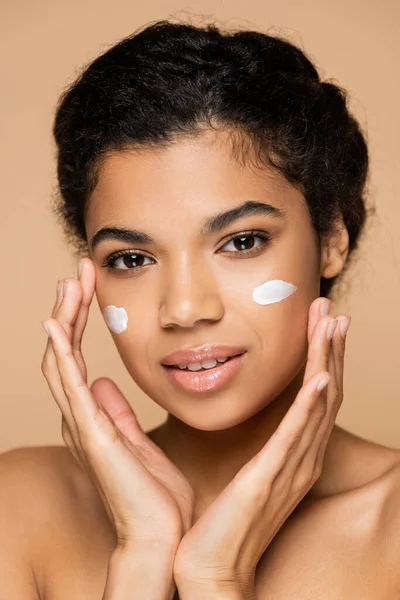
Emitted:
<point x="200" y="354"/>
<point x="210" y="380"/>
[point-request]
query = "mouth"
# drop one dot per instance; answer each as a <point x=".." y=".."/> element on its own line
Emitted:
<point x="205" y="376"/>
<point x="206" y="365"/>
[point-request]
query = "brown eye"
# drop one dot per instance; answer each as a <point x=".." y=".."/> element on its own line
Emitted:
<point x="245" y="242"/>
<point x="127" y="261"/>
<point x="241" y="244"/>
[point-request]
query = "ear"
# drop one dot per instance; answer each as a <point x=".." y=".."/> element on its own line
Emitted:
<point x="334" y="250"/>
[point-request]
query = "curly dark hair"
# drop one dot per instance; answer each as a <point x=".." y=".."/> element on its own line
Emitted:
<point x="176" y="79"/>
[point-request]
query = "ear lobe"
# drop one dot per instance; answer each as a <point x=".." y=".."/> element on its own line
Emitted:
<point x="334" y="251"/>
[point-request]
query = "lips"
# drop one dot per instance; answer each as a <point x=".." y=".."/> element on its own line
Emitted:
<point x="207" y="381"/>
<point x="201" y="354"/>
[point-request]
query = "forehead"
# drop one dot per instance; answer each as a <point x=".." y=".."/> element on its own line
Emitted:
<point x="193" y="177"/>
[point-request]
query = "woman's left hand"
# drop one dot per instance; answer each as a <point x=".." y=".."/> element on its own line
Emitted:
<point x="223" y="547"/>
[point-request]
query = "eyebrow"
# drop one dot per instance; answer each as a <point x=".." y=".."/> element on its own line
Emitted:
<point x="210" y="225"/>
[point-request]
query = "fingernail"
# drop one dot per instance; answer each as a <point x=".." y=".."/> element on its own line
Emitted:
<point x="331" y="329"/>
<point x="344" y="326"/>
<point x="80" y="266"/>
<point x="324" y="308"/>
<point x="46" y="328"/>
<point x="323" y="382"/>
<point x="65" y="287"/>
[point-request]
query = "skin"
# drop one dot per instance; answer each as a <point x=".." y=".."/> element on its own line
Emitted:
<point x="190" y="294"/>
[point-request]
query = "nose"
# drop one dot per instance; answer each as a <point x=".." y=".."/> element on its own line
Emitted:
<point x="190" y="296"/>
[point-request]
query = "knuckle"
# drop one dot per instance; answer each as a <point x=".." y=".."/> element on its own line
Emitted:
<point x="70" y="389"/>
<point x="304" y="480"/>
<point x="318" y="467"/>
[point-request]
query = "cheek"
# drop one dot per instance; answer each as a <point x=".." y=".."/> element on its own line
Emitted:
<point x="273" y="291"/>
<point x="279" y="317"/>
<point x="116" y="318"/>
<point x="130" y="325"/>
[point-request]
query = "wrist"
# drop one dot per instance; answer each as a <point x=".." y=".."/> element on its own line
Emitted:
<point x="140" y="573"/>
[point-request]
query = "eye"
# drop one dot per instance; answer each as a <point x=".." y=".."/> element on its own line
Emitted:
<point x="244" y="243"/>
<point x="126" y="261"/>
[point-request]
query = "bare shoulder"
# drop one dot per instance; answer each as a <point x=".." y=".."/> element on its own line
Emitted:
<point x="345" y="541"/>
<point x="387" y="527"/>
<point x="50" y="511"/>
<point x="367" y="469"/>
<point x="38" y="477"/>
<point x="373" y="505"/>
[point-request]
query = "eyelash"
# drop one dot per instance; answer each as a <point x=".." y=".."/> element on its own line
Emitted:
<point x="264" y="236"/>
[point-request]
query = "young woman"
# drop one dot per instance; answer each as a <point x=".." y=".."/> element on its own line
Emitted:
<point x="213" y="187"/>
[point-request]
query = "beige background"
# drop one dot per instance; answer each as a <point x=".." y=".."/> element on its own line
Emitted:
<point x="43" y="44"/>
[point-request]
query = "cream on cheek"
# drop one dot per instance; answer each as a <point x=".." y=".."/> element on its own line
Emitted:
<point x="116" y="318"/>
<point x="272" y="291"/>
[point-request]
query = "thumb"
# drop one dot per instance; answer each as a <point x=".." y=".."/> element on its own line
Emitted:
<point x="113" y="401"/>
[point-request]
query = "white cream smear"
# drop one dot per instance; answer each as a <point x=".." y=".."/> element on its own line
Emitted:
<point x="266" y="293"/>
<point x="273" y="291"/>
<point x="116" y="318"/>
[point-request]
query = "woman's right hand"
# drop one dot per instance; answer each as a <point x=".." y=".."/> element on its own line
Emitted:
<point x="147" y="498"/>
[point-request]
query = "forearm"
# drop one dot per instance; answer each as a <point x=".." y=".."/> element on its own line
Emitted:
<point x="139" y="575"/>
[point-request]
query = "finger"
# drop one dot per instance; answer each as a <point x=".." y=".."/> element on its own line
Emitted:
<point x="283" y="443"/>
<point x="70" y="443"/>
<point x="304" y="466"/>
<point x="291" y="441"/>
<point x="335" y="394"/>
<point x="87" y="280"/>
<point x="68" y="311"/>
<point x="75" y="388"/>
<point x="59" y="297"/>
<point x="320" y="307"/>
<point x="301" y="423"/>
<point x="64" y="311"/>
<point x="93" y="424"/>
<point x="319" y="347"/>
<point x="72" y="312"/>
<point x="323" y="414"/>
<point x="102" y="443"/>
<point x="339" y="347"/>
<point x="58" y="300"/>
<point x="110" y="397"/>
<point x="51" y="373"/>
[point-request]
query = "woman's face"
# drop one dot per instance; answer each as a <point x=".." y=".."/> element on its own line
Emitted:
<point x="190" y="287"/>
